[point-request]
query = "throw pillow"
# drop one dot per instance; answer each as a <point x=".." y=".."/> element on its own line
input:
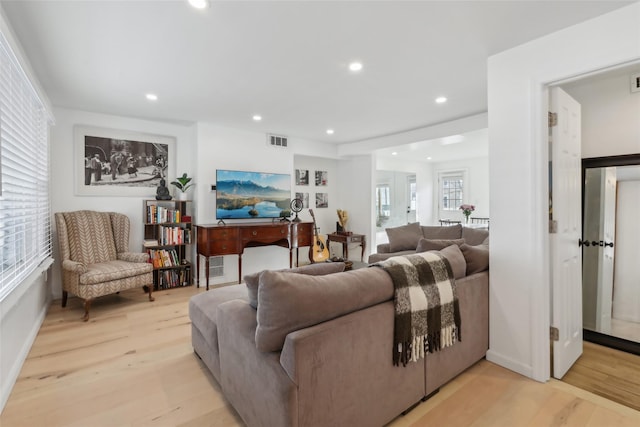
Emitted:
<point x="289" y="301"/>
<point x="456" y="260"/>
<point x="474" y="236"/>
<point x="425" y="245"/>
<point x="437" y="232"/>
<point x="404" y="237"/>
<point x="477" y="258"/>
<point x="317" y="269"/>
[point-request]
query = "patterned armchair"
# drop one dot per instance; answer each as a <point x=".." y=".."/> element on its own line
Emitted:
<point x="94" y="247"/>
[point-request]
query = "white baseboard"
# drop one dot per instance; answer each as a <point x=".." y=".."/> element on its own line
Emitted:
<point x="510" y="364"/>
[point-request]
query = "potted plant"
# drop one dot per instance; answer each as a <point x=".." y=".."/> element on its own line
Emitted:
<point x="183" y="183"/>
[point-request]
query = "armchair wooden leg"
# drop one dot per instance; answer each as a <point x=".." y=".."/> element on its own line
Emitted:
<point x="65" y="294"/>
<point x="151" y="298"/>
<point x="87" y="306"/>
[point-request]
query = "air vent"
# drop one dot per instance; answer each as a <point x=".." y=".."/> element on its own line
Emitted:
<point x="277" y="141"/>
<point x="635" y="83"/>
<point x="216" y="266"/>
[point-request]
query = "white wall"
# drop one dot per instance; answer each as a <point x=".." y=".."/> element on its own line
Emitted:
<point x="610" y="111"/>
<point x="357" y="178"/>
<point x="63" y="197"/>
<point x="476" y="191"/>
<point x="518" y="102"/>
<point x="326" y="218"/>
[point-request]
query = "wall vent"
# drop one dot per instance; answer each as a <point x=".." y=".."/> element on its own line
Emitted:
<point x="635" y="83"/>
<point x="216" y="266"/>
<point x="277" y="141"/>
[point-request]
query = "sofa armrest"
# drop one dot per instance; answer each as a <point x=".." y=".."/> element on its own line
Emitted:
<point x="383" y="248"/>
<point x="133" y="256"/>
<point x="74" y="266"/>
<point x="345" y="368"/>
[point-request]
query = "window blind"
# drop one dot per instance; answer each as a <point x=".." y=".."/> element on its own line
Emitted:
<point x="25" y="213"/>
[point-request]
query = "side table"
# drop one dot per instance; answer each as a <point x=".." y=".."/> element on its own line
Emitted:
<point x="346" y="240"/>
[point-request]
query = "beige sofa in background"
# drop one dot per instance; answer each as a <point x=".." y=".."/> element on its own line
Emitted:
<point x="318" y="349"/>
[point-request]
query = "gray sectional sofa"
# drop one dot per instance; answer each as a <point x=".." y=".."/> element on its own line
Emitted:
<point x="405" y="239"/>
<point x="317" y="351"/>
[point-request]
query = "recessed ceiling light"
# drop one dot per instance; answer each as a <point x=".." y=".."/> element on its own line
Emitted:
<point x="441" y="100"/>
<point x="199" y="4"/>
<point x="429" y="158"/>
<point x="330" y="131"/>
<point x="355" y="66"/>
<point x="152" y="96"/>
<point x="395" y="153"/>
<point x="453" y="139"/>
<point x="257" y="117"/>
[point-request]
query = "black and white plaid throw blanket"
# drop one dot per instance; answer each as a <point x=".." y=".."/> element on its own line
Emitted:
<point x="427" y="312"/>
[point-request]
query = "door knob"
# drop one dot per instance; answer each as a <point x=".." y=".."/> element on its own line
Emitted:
<point x="608" y="244"/>
<point x="583" y="242"/>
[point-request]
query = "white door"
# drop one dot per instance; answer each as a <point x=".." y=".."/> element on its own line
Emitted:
<point x="411" y="199"/>
<point x="566" y="258"/>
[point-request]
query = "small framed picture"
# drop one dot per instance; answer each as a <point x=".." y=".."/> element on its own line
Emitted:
<point x="322" y="200"/>
<point x="305" y="199"/>
<point x="321" y="178"/>
<point x="302" y="176"/>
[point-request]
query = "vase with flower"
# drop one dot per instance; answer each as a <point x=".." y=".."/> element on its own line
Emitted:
<point x="466" y="211"/>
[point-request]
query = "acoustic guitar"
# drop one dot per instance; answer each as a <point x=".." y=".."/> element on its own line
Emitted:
<point x="320" y="249"/>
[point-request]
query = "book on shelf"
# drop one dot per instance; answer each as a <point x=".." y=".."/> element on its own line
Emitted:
<point x="149" y="243"/>
<point x="159" y="215"/>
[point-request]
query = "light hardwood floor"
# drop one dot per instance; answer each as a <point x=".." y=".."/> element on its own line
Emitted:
<point x="607" y="372"/>
<point x="132" y="365"/>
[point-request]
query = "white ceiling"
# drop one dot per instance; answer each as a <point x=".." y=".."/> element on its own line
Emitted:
<point x="285" y="60"/>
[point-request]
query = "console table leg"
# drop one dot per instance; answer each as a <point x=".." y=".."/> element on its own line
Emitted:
<point x="198" y="270"/>
<point x="345" y="249"/>
<point x="206" y="270"/>
<point x="363" y="245"/>
<point x="239" y="268"/>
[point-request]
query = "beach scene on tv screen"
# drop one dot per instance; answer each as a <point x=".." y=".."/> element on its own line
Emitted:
<point x="252" y="195"/>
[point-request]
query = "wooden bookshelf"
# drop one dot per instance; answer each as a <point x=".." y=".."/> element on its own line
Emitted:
<point x="168" y="235"/>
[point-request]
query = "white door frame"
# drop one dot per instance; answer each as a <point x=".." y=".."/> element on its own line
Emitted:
<point x="518" y="105"/>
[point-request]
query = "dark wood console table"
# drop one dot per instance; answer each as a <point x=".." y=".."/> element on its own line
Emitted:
<point x="232" y="239"/>
<point x="346" y="240"/>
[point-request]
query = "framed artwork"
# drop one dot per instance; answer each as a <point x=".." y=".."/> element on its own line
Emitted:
<point x="110" y="162"/>
<point x="321" y="178"/>
<point x="305" y="199"/>
<point x="302" y="176"/>
<point x="322" y="200"/>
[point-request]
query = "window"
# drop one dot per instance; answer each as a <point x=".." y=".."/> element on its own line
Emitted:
<point x="25" y="229"/>
<point x="451" y="190"/>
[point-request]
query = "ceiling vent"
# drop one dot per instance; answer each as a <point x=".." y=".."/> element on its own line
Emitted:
<point x="635" y="83"/>
<point x="277" y="141"/>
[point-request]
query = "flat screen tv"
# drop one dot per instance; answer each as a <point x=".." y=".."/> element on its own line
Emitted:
<point x="244" y="195"/>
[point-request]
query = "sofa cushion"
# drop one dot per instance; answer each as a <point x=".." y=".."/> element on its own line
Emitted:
<point x="477" y="258"/>
<point x="404" y="237"/>
<point x="318" y="269"/>
<point x="456" y="259"/>
<point x="474" y="236"/>
<point x="438" y="232"/>
<point x="373" y="258"/>
<point x="291" y="301"/>
<point x="436" y="244"/>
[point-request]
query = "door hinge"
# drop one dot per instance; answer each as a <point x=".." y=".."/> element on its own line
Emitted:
<point x="554" y="334"/>
<point x="553" y="226"/>
<point x="553" y="119"/>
